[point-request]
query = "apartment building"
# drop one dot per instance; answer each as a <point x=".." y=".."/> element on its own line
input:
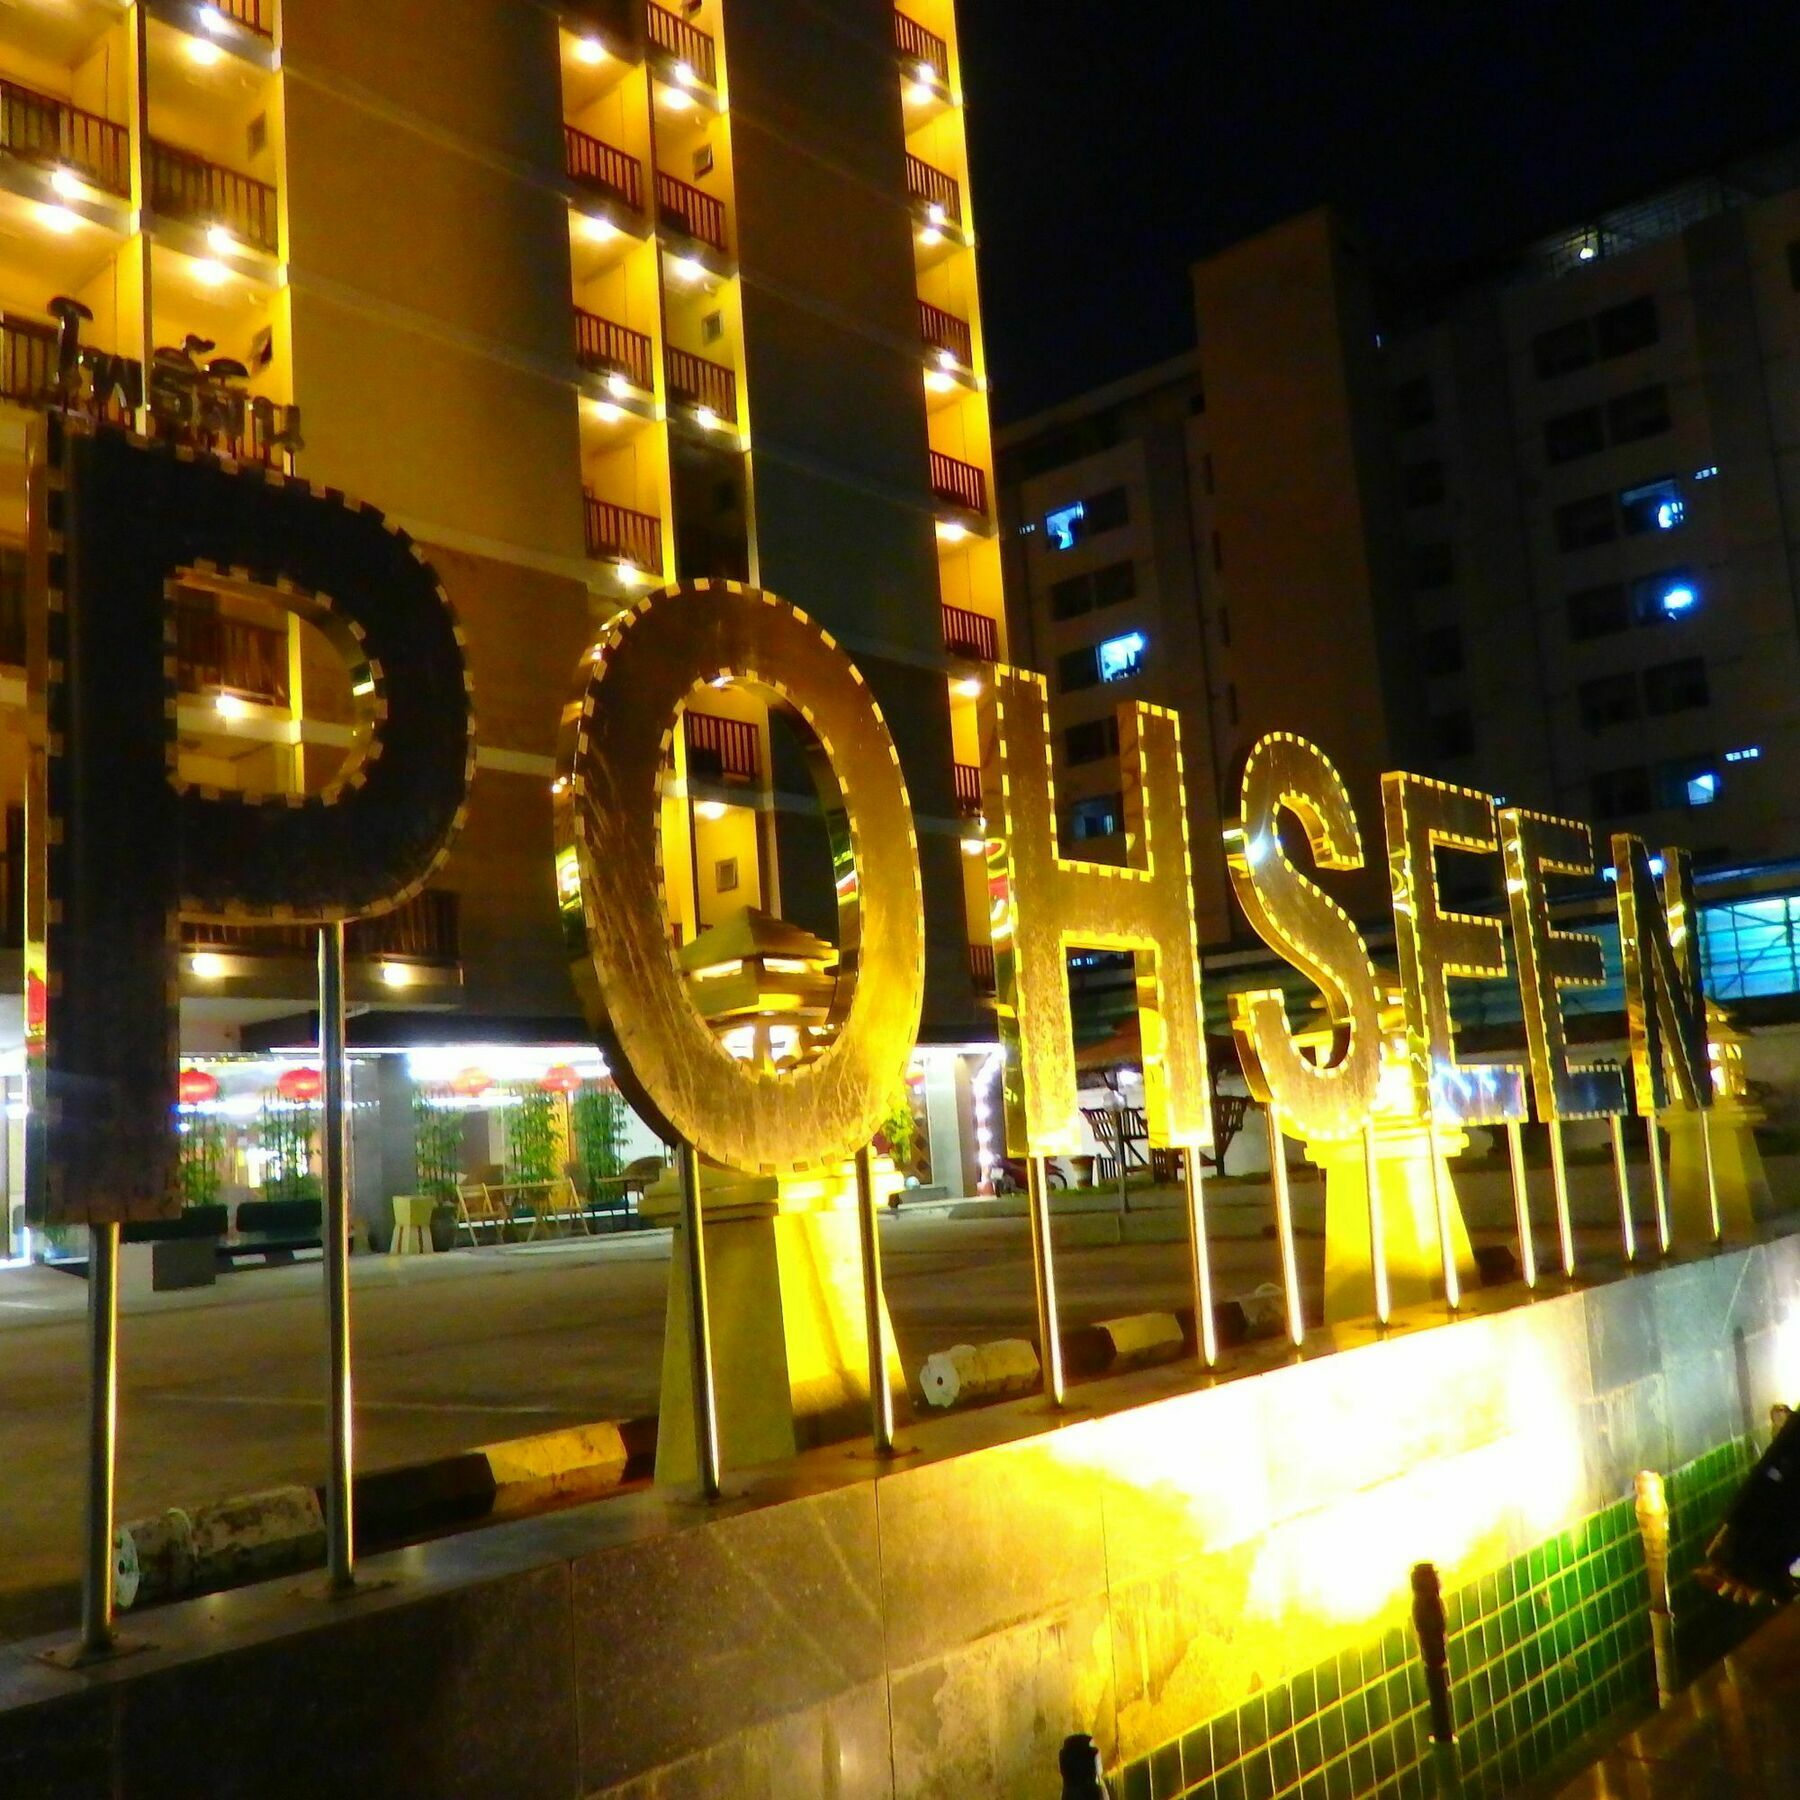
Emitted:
<point x="587" y="297"/>
<point x="1536" y="532"/>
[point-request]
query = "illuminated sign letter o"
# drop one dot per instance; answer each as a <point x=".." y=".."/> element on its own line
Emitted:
<point x="616" y="747"/>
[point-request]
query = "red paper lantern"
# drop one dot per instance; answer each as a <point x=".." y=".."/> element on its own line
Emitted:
<point x="561" y="1079"/>
<point x="471" y="1082"/>
<point x="300" y="1085"/>
<point x="195" y="1085"/>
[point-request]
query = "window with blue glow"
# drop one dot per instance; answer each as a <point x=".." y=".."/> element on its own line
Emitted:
<point x="1668" y="594"/>
<point x="1122" y="657"/>
<point x="1656" y="506"/>
<point x="1064" y="525"/>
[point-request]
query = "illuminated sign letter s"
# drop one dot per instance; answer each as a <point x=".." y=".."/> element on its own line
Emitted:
<point x="1303" y="924"/>
<point x="120" y="848"/>
<point x="1042" y="904"/>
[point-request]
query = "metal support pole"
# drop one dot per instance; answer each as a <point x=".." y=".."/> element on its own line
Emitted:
<point x="1622" y="1180"/>
<point x="1284" y="1227"/>
<point x="1559" y="1185"/>
<point x="1712" y="1177"/>
<point x="1377" y="1224"/>
<point x="1431" y="1626"/>
<point x="1043" y="1266"/>
<point x="1515" y="1156"/>
<point x="1659" y="1191"/>
<point x="1206" y="1328"/>
<point x="334" y="1163"/>
<point x="1119" y="1150"/>
<point x="103" y="1440"/>
<point x="881" y="1397"/>
<point x="706" y="1407"/>
<point x="1440" y="1207"/>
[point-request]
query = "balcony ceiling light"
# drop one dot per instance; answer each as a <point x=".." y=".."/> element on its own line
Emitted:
<point x="969" y="687"/>
<point x="211" y="19"/>
<point x="220" y="241"/>
<point x="684" y="74"/>
<point x="931" y="235"/>
<point x="974" y="846"/>
<point x="396" y="975"/>
<point x="951" y="531"/>
<point x="937" y="382"/>
<point x="676" y="99"/>
<point x="709" y="809"/>
<point x="207" y="966"/>
<point x="67" y="183"/>
<point x="629" y="574"/>
<point x="590" y="50"/>
<point x="707" y="418"/>
<point x="920" y="93"/>
<point x="936" y="214"/>
<point x="946" y="359"/>
<point x="204" y="52"/>
<point x="598" y="230"/>
<point x="685" y="268"/>
<point x="210" y="273"/>
<point x="926" y="72"/>
<point x="608" y="413"/>
<point x="58" y="219"/>
<point x="229" y="706"/>
<point x="617" y="385"/>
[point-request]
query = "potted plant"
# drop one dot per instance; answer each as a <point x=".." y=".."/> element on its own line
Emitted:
<point x="437" y="1154"/>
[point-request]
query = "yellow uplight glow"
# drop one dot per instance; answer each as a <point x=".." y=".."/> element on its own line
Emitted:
<point x="969" y="687"/>
<point x="630" y="574"/>
<point x="684" y="73"/>
<point x="59" y="219"/>
<point x="607" y="412"/>
<point x="974" y="846"/>
<point x="207" y="967"/>
<point x="931" y="235"/>
<point x="229" y="706"/>
<point x="396" y="975"/>
<point x="211" y="19"/>
<point x="210" y="273"/>
<point x="938" y="382"/>
<point x="675" y="99"/>
<point x="707" y="418"/>
<point x="951" y="531"/>
<point x="921" y="93"/>
<point x="709" y="809"/>
<point x="66" y="182"/>
<point x="203" y="51"/>
<point x="685" y="268"/>
<point x="590" y="50"/>
<point x="220" y="241"/>
<point x="598" y="230"/>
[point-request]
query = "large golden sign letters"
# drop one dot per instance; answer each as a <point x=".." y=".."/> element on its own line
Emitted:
<point x="1665" y="1007"/>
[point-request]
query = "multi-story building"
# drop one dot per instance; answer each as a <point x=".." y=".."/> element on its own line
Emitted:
<point x="587" y="297"/>
<point x="1540" y="534"/>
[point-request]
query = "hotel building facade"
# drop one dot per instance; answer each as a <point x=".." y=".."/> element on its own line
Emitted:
<point x="586" y="297"/>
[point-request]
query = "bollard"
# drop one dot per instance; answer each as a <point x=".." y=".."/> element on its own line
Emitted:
<point x="1078" y="1762"/>
<point x="1428" y="1623"/>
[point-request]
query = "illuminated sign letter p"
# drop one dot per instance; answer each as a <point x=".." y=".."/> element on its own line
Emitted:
<point x="120" y="848"/>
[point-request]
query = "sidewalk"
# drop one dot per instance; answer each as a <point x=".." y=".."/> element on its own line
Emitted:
<point x="1734" y="1732"/>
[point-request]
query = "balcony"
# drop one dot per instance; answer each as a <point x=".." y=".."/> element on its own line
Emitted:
<point x="686" y="43"/>
<point x="426" y="928"/>
<point x="967" y="775"/>
<point x="921" y="48"/>
<point x="958" y="484"/>
<point x="188" y="187"/>
<point x="693" y="381"/>
<point x="27" y="360"/>
<point x="934" y="190"/>
<point x="946" y="332"/>
<point x="688" y="210"/>
<point x="604" y="348"/>
<point x="721" y="749"/>
<point x="38" y="128"/>
<point x="617" y="534"/>
<point x="253" y="15"/>
<point x="215" y="654"/>
<point x="970" y="634"/>
<point x="981" y="968"/>
<point x="598" y="167"/>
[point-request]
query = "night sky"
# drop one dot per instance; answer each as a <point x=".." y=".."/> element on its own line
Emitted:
<point x="1112" y="144"/>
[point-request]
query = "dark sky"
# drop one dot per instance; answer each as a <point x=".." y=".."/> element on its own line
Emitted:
<point x="1114" y="143"/>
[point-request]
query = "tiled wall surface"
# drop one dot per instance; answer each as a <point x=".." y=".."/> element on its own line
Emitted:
<point x="1212" y="1580"/>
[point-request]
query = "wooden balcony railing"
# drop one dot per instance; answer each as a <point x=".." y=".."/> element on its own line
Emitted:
<point x="686" y="43"/>
<point x="932" y="187"/>
<point x="918" y="45"/>
<point x="968" y="778"/>
<point x="945" y="331"/>
<point x="958" y="483"/>
<point x="610" y="349"/>
<point x="981" y="968"/>
<point x="185" y="186"/>
<point x="253" y="15"/>
<point x="681" y="204"/>
<point x="426" y="928"/>
<point x="596" y="165"/>
<point x="39" y="128"/>
<point x="970" y="634"/>
<point x="216" y="654"/>
<point x="27" y="360"/>
<point x="697" y="382"/>
<point x="617" y="534"/>
<point x="721" y="749"/>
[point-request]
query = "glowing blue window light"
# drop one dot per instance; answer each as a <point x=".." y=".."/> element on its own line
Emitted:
<point x="1061" y="525"/>
<point x="1669" y="514"/>
<point x="1677" y="598"/>
<point x="1749" y="753"/>
<point x="1122" y="656"/>
<point x="1702" y="789"/>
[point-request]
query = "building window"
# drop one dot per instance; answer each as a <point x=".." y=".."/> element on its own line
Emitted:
<point x="1599" y="611"/>
<point x="1103" y="816"/>
<point x="1584" y="522"/>
<point x="1631" y="325"/>
<point x="1068" y="526"/>
<point x="725" y="875"/>
<point x="1122" y="657"/>
<point x="1668" y="594"/>
<point x="1675" y="686"/>
<point x="1079" y="594"/>
<point x="1641" y="414"/>
<point x="1685" y="781"/>
<point x="1108" y="511"/>
<point x="1441" y="650"/>
<point x="1656" y="506"/>
<point x="1424" y="483"/>
<point x="1433" y="566"/>
<point x="1563" y="348"/>
<point x="1092" y="741"/>
<point x="1620" y="791"/>
<point x="1452" y="734"/>
<point x="1071" y="598"/>
<point x="1414" y="403"/>
<point x="1608" y="700"/>
<point x="1063" y="527"/>
<point x="1077" y="670"/>
<point x="1573" y="434"/>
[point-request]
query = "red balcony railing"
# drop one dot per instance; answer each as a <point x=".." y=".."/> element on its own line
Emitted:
<point x="981" y="968"/>
<point x="721" y="748"/>
<point x="597" y="166"/>
<point x="971" y="634"/>
<point x="686" y="43"/>
<point x="185" y="186"/>
<point x="968" y="782"/>
<point x="426" y="928"/>
<point x="918" y="45"/>
<point x="39" y="128"/>
<point x="932" y="187"/>
<point x="215" y="654"/>
<point x="610" y="349"/>
<point x="696" y="382"/>
<point x="617" y="534"/>
<point x="945" y="331"/>
<point x="958" y="483"/>
<point x="684" y="206"/>
<point x="253" y="15"/>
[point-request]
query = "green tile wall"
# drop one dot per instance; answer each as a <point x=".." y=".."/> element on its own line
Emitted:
<point x="1542" y="1652"/>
